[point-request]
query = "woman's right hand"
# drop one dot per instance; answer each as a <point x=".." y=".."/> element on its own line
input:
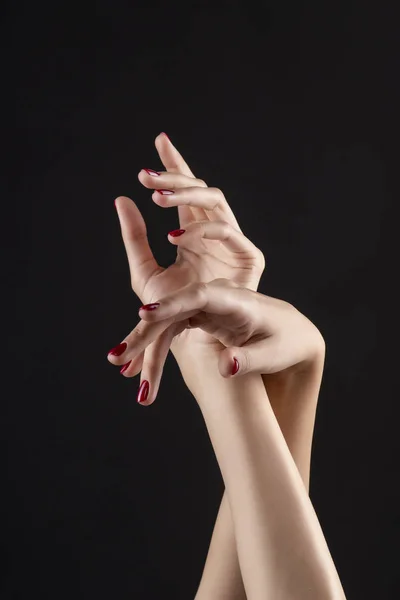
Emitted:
<point x="253" y="332"/>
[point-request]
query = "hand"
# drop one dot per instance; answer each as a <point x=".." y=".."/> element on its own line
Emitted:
<point x="255" y="333"/>
<point x="212" y="246"/>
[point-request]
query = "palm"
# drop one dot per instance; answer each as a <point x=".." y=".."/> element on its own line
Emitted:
<point x="209" y="260"/>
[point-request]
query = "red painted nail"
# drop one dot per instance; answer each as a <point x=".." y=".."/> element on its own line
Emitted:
<point x="165" y="192"/>
<point x="124" y="368"/>
<point x="143" y="391"/>
<point x="118" y="350"/>
<point x="166" y="135"/>
<point x="152" y="306"/>
<point x="176" y="232"/>
<point x="235" y="367"/>
<point x="151" y="172"/>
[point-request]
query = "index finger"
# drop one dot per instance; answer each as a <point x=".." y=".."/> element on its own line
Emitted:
<point x="170" y="157"/>
<point x="174" y="162"/>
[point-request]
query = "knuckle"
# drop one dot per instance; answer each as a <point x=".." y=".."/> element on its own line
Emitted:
<point x="288" y="306"/>
<point x="260" y="258"/>
<point x="225" y="229"/>
<point x="136" y="336"/>
<point x="218" y="195"/>
<point x="320" y="343"/>
<point x="199" y="291"/>
<point x="245" y="361"/>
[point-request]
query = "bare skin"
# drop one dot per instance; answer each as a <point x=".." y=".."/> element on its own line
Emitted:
<point x="293" y="392"/>
<point x="282" y="552"/>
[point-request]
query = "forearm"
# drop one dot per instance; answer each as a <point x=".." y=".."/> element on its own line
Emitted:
<point x="281" y="548"/>
<point x="293" y="398"/>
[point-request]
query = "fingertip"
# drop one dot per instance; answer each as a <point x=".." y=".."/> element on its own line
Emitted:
<point x="176" y="233"/>
<point x="229" y="364"/>
<point x="146" y="309"/>
<point x="235" y="366"/>
<point x="166" y="135"/>
<point x="160" y="199"/>
<point x="143" y="396"/>
<point x="118" y="198"/>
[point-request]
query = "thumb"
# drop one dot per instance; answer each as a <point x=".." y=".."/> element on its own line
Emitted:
<point x="142" y="264"/>
<point x="255" y="357"/>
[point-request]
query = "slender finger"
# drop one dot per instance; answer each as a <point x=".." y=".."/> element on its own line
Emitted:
<point x="174" y="162"/>
<point x="142" y="264"/>
<point x="253" y="357"/>
<point x="231" y="238"/>
<point x="170" y="156"/>
<point x="176" y="307"/>
<point x="141" y="337"/>
<point x="133" y="366"/>
<point x="155" y="356"/>
<point x="170" y="181"/>
<point x="173" y="181"/>
<point x="210" y="199"/>
<point x="224" y="299"/>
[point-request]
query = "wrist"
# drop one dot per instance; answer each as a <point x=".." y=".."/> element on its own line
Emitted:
<point x="199" y="368"/>
<point x="300" y="382"/>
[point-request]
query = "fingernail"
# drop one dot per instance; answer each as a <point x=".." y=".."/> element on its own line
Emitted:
<point x="167" y="136"/>
<point x="152" y="306"/>
<point x="176" y="232"/>
<point x="151" y="172"/>
<point x="235" y="367"/>
<point x="143" y="391"/>
<point x="115" y="203"/>
<point x="124" y="368"/>
<point x="118" y="350"/>
<point x="165" y="192"/>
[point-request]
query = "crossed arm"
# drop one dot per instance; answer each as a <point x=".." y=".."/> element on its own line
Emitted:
<point x="267" y="541"/>
<point x="294" y="403"/>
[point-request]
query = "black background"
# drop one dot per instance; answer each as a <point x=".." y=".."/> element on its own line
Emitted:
<point x="290" y="109"/>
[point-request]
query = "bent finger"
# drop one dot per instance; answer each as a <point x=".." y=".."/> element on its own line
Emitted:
<point x="209" y="199"/>
<point x="210" y="297"/>
<point x="155" y="356"/>
<point x="257" y="357"/>
<point x="174" y="162"/>
<point x="133" y="366"/>
<point x="233" y="239"/>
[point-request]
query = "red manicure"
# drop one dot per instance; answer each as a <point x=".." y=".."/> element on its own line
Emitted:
<point x="152" y="306"/>
<point x="176" y="232"/>
<point x="143" y="391"/>
<point x="165" y="192"/>
<point x="235" y="367"/>
<point x="124" y="368"/>
<point x="166" y="136"/>
<point x="118" y="350"/>
<point x="151" y="172"/>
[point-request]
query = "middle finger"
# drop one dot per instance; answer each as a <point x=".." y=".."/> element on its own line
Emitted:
<point x="211" y="199"/>
<point x="172" y="181"/>
<point x="163" y="179"/>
